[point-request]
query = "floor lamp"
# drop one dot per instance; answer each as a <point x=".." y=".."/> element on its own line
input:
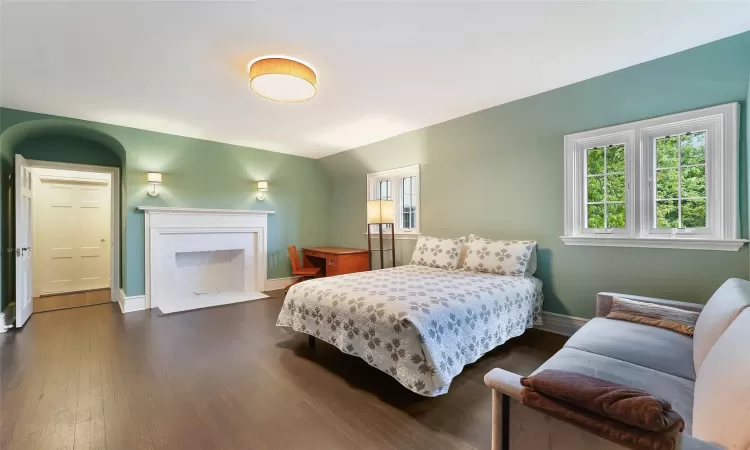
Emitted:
<point x="380" y="212"/>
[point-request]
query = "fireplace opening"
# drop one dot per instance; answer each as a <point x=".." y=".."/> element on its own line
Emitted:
<point x="210" y="272"/>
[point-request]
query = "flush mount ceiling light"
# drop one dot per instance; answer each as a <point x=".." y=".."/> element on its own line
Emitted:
<point x="282" y="79"/>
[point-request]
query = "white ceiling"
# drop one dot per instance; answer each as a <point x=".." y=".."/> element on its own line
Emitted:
<point x="384" y="67"/>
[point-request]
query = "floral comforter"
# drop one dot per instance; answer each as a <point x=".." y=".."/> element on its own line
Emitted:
<point x="420" y="325"/>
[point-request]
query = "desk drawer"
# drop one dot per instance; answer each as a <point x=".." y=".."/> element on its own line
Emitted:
<point x="332" y="266"/>
<point x="315" y="254"/>
<point x="333" y="263"/>
<point x="357" y="262"/>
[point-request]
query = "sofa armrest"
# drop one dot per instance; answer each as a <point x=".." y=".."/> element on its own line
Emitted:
<point x="505" y="382"/>
<point x="604" y="302"/>
<point x="558" y="434"/>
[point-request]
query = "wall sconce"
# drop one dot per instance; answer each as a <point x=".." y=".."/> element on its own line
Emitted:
<point x="262" y="189"/>
<point x="154" y="179"/>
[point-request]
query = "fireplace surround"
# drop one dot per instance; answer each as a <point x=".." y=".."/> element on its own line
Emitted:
<point x="197" y="258"/>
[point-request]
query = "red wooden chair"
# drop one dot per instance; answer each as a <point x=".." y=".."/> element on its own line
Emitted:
<point x="297" y="270"/>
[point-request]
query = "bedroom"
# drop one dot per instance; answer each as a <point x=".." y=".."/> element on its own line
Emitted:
<point x="164" y="87"/>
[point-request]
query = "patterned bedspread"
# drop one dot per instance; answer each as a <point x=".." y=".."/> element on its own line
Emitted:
<point x="420" y="325"/>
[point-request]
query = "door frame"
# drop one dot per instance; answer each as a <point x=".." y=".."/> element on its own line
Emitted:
<point x="115" y="190"/>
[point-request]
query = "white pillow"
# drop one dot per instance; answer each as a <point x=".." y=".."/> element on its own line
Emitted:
<point x="500" y="257"/>
<point x="435" y="252"/>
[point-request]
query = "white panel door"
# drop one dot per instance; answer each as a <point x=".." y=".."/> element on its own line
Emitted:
<point x="94" y="237"/>
<point x="73" y="234"/>
<point x="23" y="186"/>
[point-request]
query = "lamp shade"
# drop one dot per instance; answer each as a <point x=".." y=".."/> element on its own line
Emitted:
<point x="154" y="177"/>
<point x="263" y="185"/>
<point x="379" y="211"/>
<point x="282" y="79"/>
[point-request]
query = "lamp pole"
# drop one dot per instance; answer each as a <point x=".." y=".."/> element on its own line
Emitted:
<point x="380" y="230"/>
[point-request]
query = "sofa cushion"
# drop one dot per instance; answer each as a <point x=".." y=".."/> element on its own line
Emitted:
<point x="722" y="389"/>
<point x="722" y="308"/>
<point x="656" y="348"/>
<point x="678" y="391"/>
<point x="653" y="314"/>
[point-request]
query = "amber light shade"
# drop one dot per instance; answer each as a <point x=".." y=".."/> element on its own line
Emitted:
<point x="282" y="79"/>
<point x="379" y="211"/>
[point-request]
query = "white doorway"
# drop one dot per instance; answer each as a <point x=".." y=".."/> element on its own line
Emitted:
<point x="74" y="228"/>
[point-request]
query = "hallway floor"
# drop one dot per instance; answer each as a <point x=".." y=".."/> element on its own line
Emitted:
<point x="72" y="300"/>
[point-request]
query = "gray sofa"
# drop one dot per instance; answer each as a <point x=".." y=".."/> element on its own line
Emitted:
<point x="706" y="378"/>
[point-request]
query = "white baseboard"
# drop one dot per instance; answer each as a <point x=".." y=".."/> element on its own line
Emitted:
<point x="132" y="303"/>
<point x="278" y="283"/>
<point x="560" y="323"/>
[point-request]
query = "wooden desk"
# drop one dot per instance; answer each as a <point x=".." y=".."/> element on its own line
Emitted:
<point x="336" y="260"/>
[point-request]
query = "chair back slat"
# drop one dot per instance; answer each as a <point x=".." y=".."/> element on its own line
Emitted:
<point x="294" y="257"/>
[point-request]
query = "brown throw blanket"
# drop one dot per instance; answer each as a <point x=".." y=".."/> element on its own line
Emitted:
<point x="623" y="414"/>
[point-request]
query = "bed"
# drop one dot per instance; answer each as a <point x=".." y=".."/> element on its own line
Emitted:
<point x="421" y="325"/>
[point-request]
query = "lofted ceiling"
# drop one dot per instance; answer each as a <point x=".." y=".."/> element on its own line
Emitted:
<point x="384" y="67"/>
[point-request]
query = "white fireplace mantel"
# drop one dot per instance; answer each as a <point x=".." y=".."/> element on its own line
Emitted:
<point x="189" y="253"/>
<point x="168" y="209"/>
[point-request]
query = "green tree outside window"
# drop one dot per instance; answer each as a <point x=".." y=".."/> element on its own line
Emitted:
<point x="681" y="181"/>
<point x="605" y="187"/>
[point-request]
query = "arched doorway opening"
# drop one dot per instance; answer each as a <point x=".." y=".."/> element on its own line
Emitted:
<point x="52" y="147"/>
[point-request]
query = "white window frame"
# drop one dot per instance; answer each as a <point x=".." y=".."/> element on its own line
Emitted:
<point x="395" y="176"/>
<point x="722" y="184"/>
<point x="580" y="148"/>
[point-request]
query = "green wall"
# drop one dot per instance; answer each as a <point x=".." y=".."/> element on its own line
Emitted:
<point x="499" y="173"/>
<point x="196" y="173"/>
<point x="67" y="149"/>
<point x="746" y="186"/>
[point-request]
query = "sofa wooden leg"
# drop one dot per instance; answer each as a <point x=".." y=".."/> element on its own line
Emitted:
<point x="505" y="443"/>
<point x="311" y="341"/>
<point x="500" y="421"/>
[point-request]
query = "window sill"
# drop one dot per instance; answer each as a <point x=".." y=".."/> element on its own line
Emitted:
<point x="397" y="236"/>
<point x="728" y="245"/>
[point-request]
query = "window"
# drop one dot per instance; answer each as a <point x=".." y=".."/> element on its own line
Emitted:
<point x="605" y="187"/>
<point x="383" y="190"/>
<point x="680" y="201"/>
<point x="669" y="182"/>
<point x="408" y="202"/>
<point x="402" y="186"/>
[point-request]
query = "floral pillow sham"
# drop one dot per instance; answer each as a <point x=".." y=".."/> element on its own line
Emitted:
<point x="435" y="252"/>
<point x="500" y="257"/>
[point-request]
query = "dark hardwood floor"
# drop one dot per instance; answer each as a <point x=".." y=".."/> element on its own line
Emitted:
<point x="226" y="378"/>
<point x="72" y="300"/>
